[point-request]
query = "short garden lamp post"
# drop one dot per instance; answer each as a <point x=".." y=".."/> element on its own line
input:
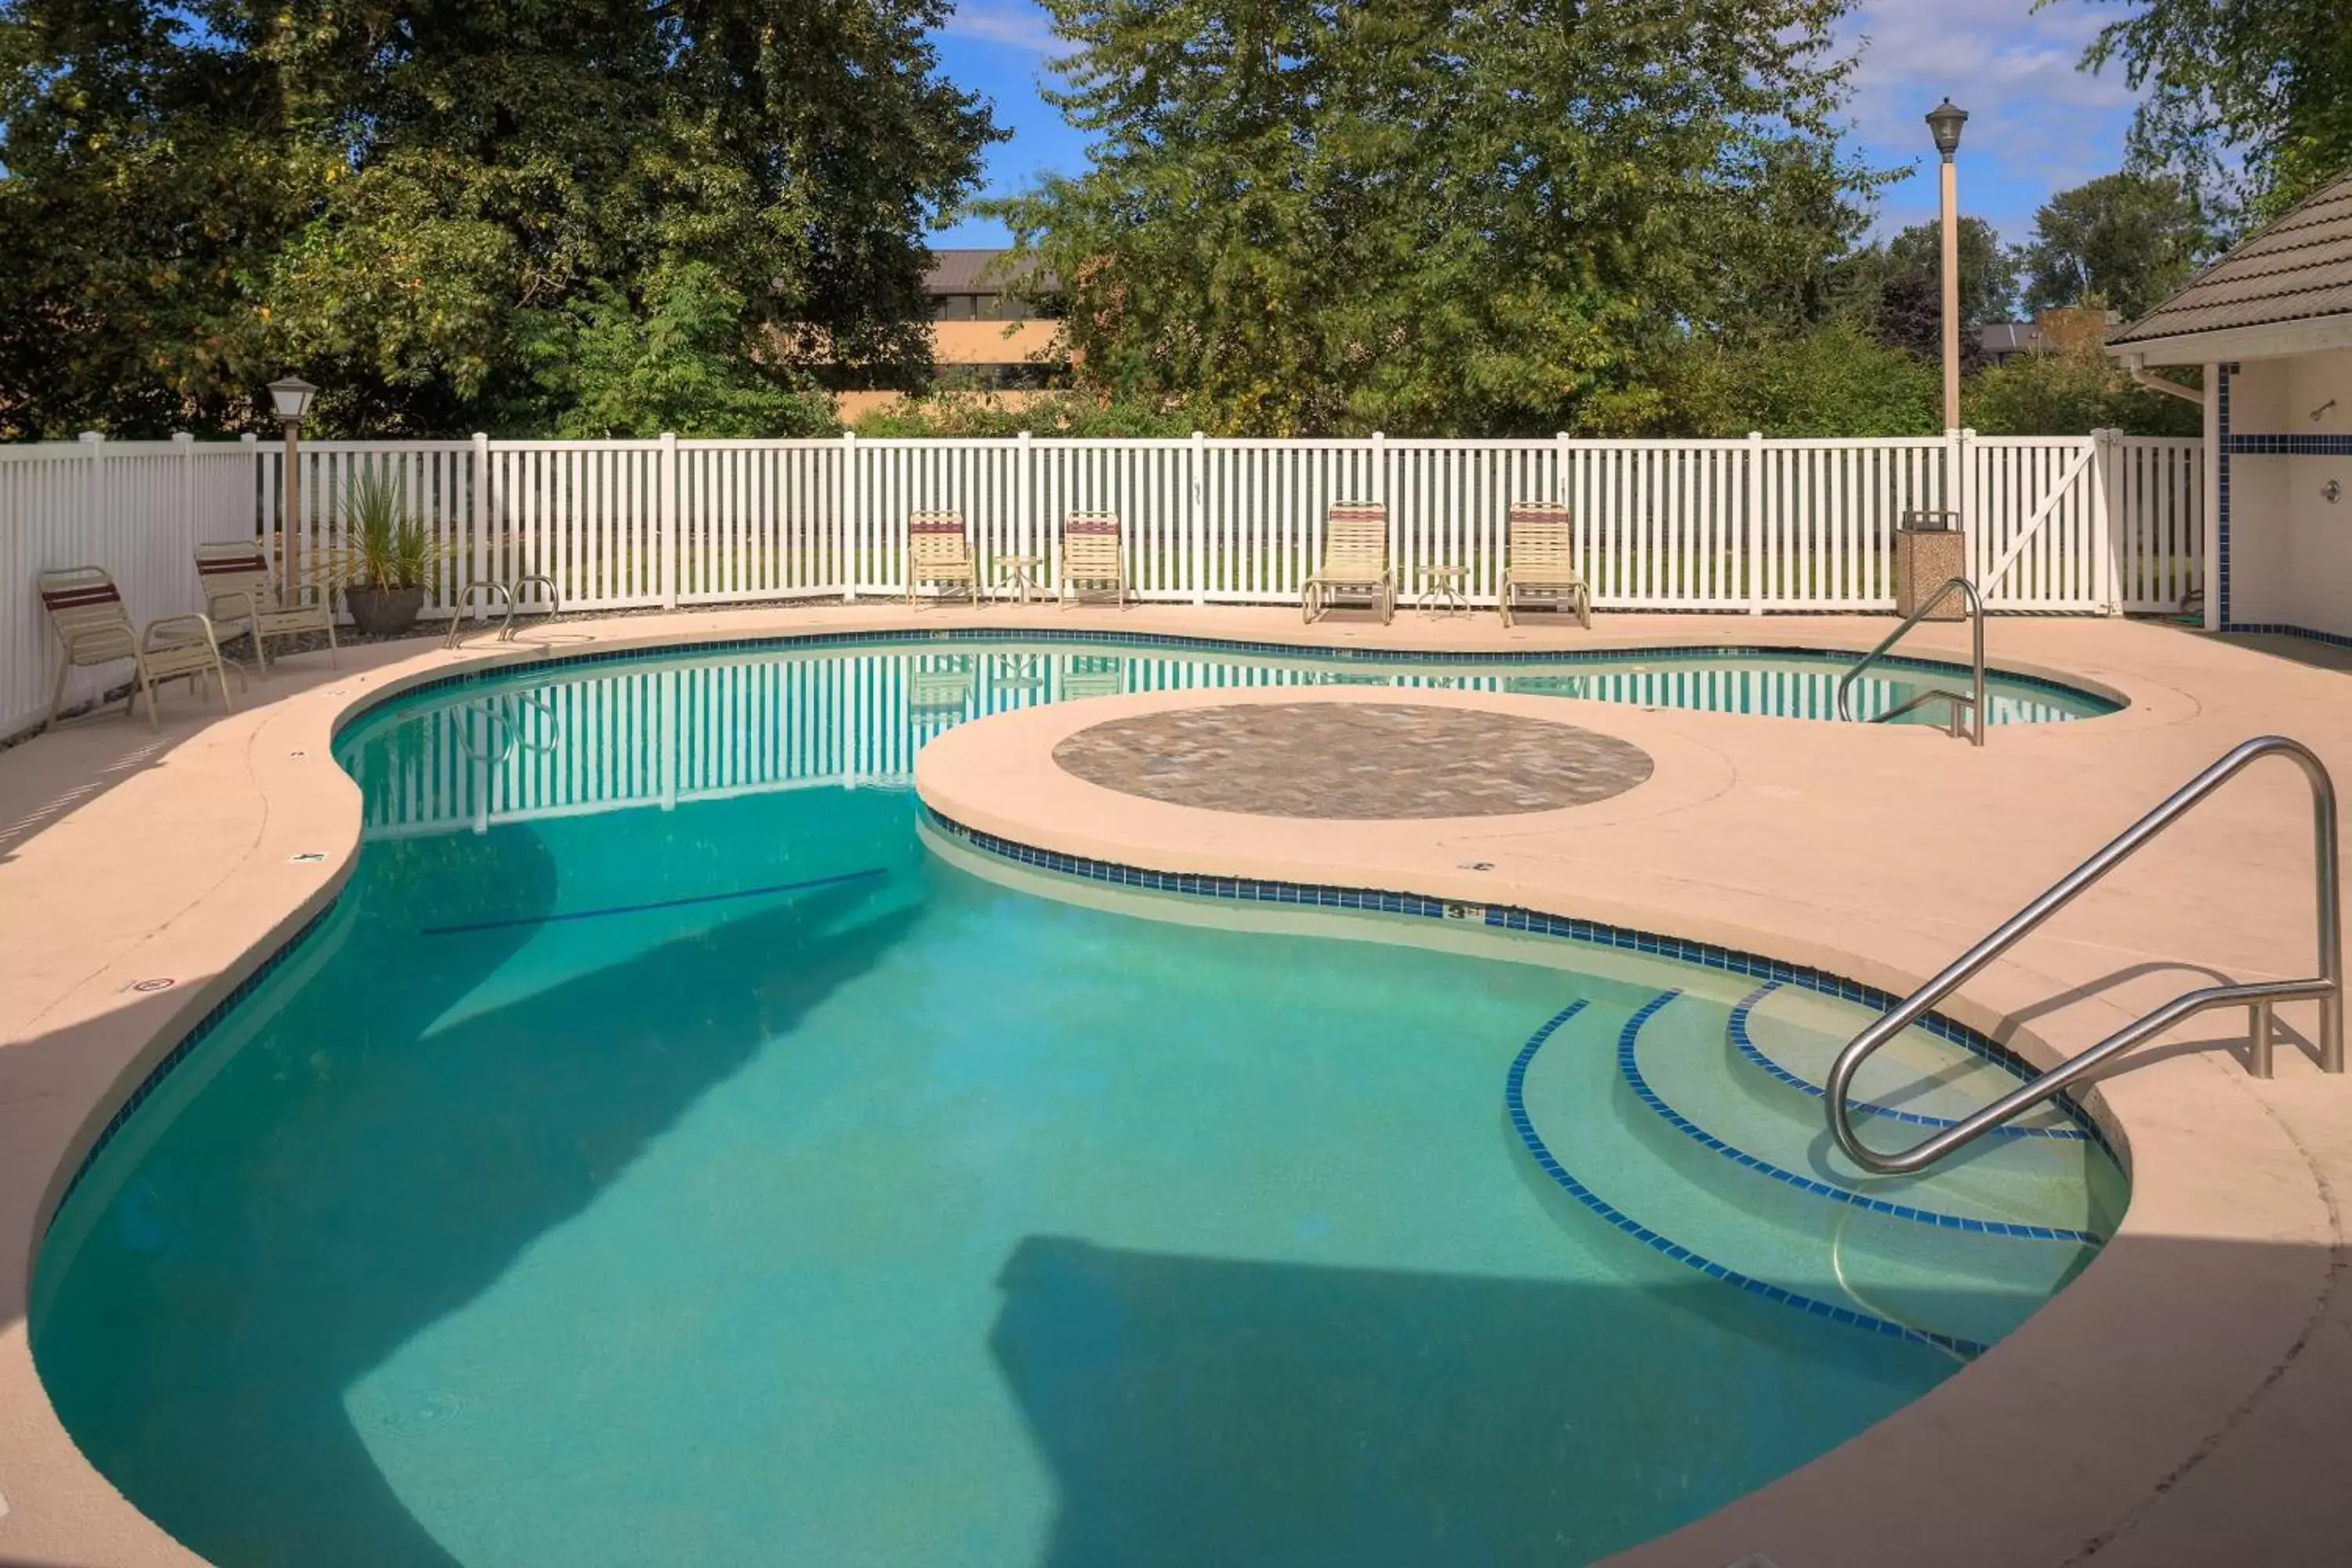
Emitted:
<point x="1944" y="122"/>
<point x="292" y="397"/>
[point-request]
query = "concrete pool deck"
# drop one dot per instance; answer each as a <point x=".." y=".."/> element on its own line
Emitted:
<point x="2182" y="1401"/>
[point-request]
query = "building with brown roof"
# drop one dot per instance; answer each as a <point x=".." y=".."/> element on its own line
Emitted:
<point x="988" y="332"/>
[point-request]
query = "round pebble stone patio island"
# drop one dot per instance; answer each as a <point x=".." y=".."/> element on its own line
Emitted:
<point x="1353" y="761"/>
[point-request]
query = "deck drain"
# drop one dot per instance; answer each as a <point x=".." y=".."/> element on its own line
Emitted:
<point x="1474" y="865"/>
<point x="156" y="984"/>
<point x="309" y="858"/>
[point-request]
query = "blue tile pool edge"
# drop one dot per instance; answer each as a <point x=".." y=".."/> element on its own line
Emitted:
<point x="194" y="1036"/>
<point x="1505" y="917"/>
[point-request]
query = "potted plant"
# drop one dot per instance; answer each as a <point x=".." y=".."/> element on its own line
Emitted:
<point x="392" y="556"/>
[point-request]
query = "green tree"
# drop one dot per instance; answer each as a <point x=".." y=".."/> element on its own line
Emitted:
<point x="399" y="197"/>
<point x="679" y="364"/>
<point x="2072" y="393"/>
<point x="2128" y="239"/>
<point x="2248" y="101"/>
<point x="1469" y="217"/>
<point x="1988" y="269"/>
<point x="1835" y="379"/>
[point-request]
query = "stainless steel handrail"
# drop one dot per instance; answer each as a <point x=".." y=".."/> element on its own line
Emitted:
<point x="511" y="593"/>
<point x="465" y="597"/>
<point x="514" y="599"/>
<point x="2260" y="997"/>
<point x="1975" y="704"/>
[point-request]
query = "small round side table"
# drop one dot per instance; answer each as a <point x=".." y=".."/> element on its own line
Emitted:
<point x="1022" y="573"/>
<point x="1444" y="590"/>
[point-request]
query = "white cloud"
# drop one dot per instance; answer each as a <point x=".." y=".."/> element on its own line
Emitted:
<point x="2037" y="124"/>
<point x="1013" y="23"/>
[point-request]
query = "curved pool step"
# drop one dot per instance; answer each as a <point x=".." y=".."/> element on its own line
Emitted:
<point x="2021" y="1200"/>
<point x="1793" y="1043"/>
<point x="1956" y="1288"/>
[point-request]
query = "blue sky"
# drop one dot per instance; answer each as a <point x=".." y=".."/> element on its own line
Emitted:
<point x="2036" y="124"/>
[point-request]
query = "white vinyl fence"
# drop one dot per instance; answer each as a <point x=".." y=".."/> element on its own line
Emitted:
<point x="2060" y="524"/>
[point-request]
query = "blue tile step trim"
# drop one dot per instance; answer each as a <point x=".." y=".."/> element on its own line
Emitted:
<point x="1747" y="1046"/>
<point x="1630" y="1069"/>
<point x="1505" y="916"/>
<point x="1515" y="1101"/>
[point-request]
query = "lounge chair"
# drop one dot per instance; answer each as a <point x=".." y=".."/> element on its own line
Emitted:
<point x="1093" y="562"/>
<point x="241" y="597"/>
<point x="1541" y="560"/>
<point x="938" y="549"/>
<point x="87" y="610"/>
<point x="1355" y="561"/>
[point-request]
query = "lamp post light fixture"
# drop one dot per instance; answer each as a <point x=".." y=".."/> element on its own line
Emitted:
<point x="1944" y="123"/>
<point x="291" y="395"/>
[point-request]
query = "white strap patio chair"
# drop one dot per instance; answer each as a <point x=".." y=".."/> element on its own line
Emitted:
<point x="1355" y="561"/>
<point x="94" y="629"/>
<point x="1094" y="561"/>
<point x="241" y="597"/>
<point x="939" y="550"/>
<point x="1541" y="561"/>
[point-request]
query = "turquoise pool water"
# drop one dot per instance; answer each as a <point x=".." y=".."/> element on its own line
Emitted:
<point x="673" y="1148"/>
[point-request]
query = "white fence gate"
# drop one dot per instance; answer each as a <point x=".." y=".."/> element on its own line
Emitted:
<point x="2058" y="524"/>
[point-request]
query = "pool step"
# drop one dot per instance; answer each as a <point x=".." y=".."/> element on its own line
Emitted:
<point x="1916" y="1080"/>
<point x="1701" y="1088"/>
<point x="1605" y="1146"/>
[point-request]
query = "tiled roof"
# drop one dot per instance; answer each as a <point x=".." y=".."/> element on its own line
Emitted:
<point x="978" y="272"/>
<point x="2297" y="269"/>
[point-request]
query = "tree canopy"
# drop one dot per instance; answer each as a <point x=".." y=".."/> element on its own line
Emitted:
<point x="1479" y="216"/>
<point x="428" y="206"/>
<point x="2126" y="240"/>
<point x="2248" y="101"/>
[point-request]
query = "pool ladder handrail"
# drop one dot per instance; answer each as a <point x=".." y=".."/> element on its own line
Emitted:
<point x="2260" y="997"/>
<point x="1974" y="705"/>
<point x="506" y="592"/>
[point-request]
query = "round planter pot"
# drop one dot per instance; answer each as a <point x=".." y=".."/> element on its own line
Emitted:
<point x="384" y="612"/>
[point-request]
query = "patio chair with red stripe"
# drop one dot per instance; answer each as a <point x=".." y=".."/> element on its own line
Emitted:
<point x="241" y="597"/>
<point x="95" y="629"/>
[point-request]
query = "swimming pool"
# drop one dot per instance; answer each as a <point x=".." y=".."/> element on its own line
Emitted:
<point x="676" y="1146"/>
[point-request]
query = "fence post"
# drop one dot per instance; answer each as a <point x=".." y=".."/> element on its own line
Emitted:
<point x="1957" y="457"/>
<point x="1580" y="528"/>
<point x="2107" y="538"/>
<point x="1029" y="529"/>
<point x="667" y="482"/>
<point x="1755" y="522"/>
<point x="847" y="521"/>
<point x="1197" y="519"/>
<point x="254" y="474"/>
<point x="478" y="518"/>
<point x="93" y="508"/>
<point x="185" y="446"/>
